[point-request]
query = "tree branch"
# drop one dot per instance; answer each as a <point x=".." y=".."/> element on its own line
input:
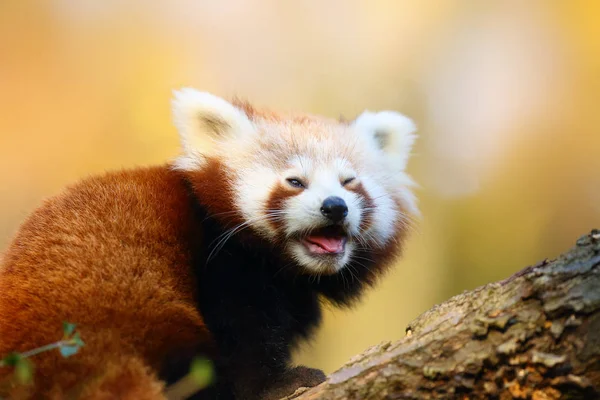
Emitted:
<point x="534" y="335"/>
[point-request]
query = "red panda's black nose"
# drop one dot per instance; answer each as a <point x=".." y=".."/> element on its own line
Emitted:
<point x="334" y="208"/>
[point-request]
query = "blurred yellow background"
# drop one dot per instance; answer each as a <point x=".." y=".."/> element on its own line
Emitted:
<point x="506" y="95"/>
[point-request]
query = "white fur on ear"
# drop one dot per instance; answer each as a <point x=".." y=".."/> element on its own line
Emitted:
<point x="390" y="131"/>
<point x="201" y="118"/>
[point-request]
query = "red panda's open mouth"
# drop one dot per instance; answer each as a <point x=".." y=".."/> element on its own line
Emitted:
<point x="328" y="240"/>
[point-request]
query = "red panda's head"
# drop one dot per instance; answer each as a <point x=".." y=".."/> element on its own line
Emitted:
<point x="325" y="192"/>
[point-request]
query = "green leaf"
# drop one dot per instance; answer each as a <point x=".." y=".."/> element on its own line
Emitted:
<point x="24" y="371"/>
<point x="68" y="350"/>
<point x="12" y="359"/>
<point x="68" y="328"/>
<point x="77" y="339"/>
<point x="202" y="372"/>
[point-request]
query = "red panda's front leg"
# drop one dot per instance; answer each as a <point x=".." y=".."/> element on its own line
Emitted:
<point x="278" y="385"/>
<point x="256" y="365"/>
<point x="293" y="379"/>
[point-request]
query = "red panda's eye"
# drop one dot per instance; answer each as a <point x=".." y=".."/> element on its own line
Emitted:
<point x="295" y="182"/>
<point x="347" y="181"/>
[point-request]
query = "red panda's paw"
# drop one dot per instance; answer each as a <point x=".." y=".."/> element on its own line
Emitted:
<point x="292" y="380"/>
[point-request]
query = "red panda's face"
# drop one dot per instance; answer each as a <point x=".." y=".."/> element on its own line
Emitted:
<point x="319" y="206"/>
<point x="326" y="193"/>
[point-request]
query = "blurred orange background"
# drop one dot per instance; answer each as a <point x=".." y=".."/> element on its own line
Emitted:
<point x="506" y="95"/>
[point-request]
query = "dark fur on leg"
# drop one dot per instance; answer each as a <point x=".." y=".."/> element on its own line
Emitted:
<point x="292" y="380"/>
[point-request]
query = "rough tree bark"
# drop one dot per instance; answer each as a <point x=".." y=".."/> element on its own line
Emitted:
<point x="535" y="335"/>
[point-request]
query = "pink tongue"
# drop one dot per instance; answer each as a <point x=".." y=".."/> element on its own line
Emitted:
<point x="323" y="244"/>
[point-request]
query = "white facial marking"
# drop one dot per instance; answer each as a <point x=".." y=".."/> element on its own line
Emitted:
<point x="254" y="187"/>
<point x="301" y="165"/>
<point x="384" y="213"/>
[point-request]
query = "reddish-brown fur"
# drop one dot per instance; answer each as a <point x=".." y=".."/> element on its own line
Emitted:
<point x="367" y="204"/>
<point x="94" y="232"/>
<point x="212" y="184"/>
<point x="277" y="201"/>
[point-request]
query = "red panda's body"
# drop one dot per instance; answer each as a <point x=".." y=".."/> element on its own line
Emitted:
<point x="217" y="254"/>
<point x="110" y="254"/>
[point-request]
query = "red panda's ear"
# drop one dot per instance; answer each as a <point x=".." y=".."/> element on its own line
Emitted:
<point x="389" y="131"/>
<point x="202" y="118"/>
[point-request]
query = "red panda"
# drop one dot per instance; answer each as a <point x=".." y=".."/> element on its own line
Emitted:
<point x="226" y="252"/>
